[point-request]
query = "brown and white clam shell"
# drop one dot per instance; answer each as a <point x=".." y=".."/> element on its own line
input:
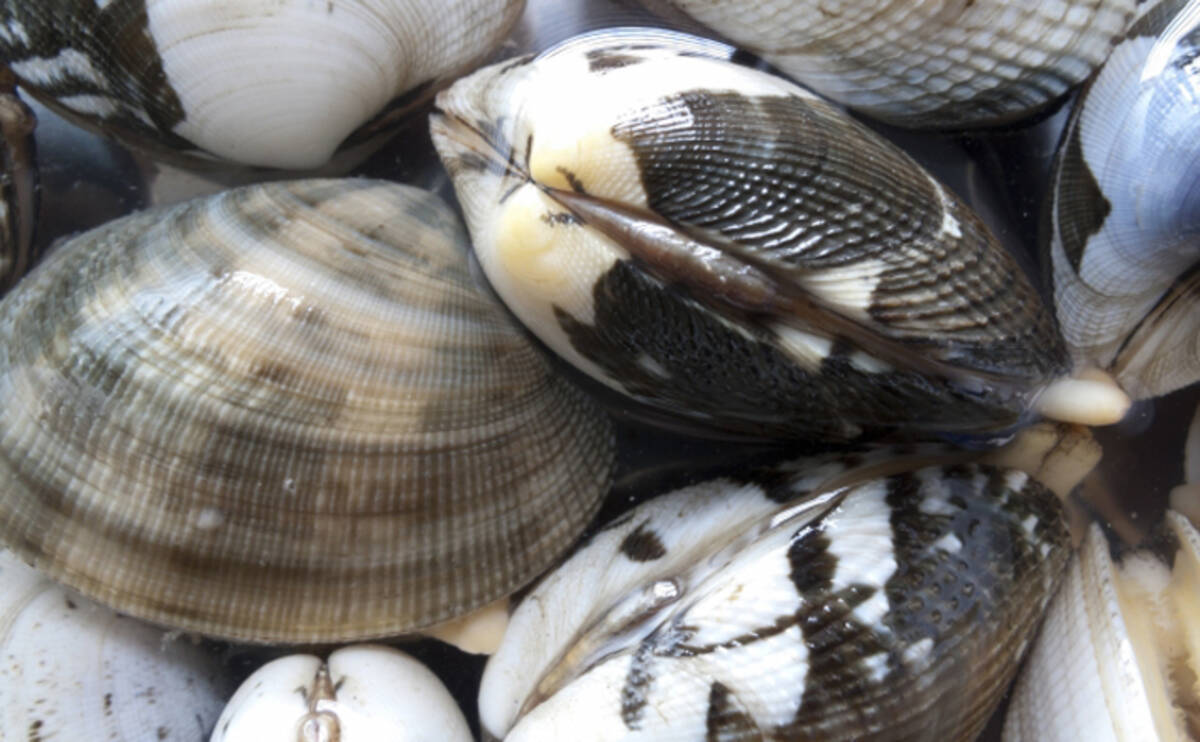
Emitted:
<point x="286" y="413"/>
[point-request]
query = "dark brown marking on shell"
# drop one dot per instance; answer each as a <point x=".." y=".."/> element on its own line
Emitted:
<point x="1082" y="206"/>
<point x="643" y="545"/>
<point x="134" y="80"/>
<point x="637" y="682"/>
<point x="602" y="60"/>
<point x="560" y="218"/>
<point x="812" y="565"/>
<point x="726" y="719"/>
<point x="572" y="179"/>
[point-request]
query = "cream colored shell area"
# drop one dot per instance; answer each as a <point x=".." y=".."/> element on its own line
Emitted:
<point x="329" y="66"/>
<point x="283" y="414"/>
<point x="558" y="114"/>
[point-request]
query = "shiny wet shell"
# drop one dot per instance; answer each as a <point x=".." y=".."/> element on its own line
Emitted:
<point x="285" y="413"/>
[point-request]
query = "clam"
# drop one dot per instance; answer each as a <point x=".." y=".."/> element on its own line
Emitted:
<point x="286" y="413"/>
<point x="75" y="670"/>
<point x="18" y="180"/>
<point x="861" y="598"/>
<point x="1118" y="657"/>
<point x="361" y="693"/>
<point x="725" y="247"/>
<point x="278" y="83"/>
<point x="944" y="64"/>
<point x="1125" y="210"/>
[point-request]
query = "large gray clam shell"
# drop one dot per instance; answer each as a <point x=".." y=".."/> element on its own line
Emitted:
<point x="941" y="64"/>
<point x="1125" y="211"/>
<point x="869" y="607"/>
<point x="285" y="413"/>
<point x="724" y="246"/>
<point x="279" y="83"/>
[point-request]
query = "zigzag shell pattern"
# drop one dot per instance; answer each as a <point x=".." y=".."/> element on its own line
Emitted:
<point x="285" y="413"/>
<point x="279" y="83"/>
<point x="722" y="245"/>
<point x="783" y="604"/>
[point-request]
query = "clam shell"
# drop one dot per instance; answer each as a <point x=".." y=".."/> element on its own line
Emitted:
<point x="279" y="83"/>
<point x="1118" y="656"/>
<point x="722" y="245"/>
<point x="891" y="607"/>
<point x="286" y="413"/>
<point x="943" y="64"/>
<point x="75" y="670"/>
<point x="18" y="202"/>
<point x="1125" y="210"/>
<point x="363" y="693"/>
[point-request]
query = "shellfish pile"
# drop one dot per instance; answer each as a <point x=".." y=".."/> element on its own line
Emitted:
<point x="709" y="409"/>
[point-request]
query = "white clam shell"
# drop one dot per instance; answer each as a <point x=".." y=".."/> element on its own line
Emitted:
<point x="75" y="670"/>
<point x="363" y="693"/>
<point x="1118" y="656"/>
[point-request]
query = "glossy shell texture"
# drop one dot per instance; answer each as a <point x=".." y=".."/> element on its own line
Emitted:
<point x="75" y="670"/>
<point x="941" y="64"/>
<point x="279" y="83"/>
<point x="18" y="186"/>
<point x="787" y="605"/>
<point x="722" y="245"/>
<point x="1125" y="214"/>
<point x="1118" y="656"/>
<point x="286" y="413"/>
<point x="361" y="693"/>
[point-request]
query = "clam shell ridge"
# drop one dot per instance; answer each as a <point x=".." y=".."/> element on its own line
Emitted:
<point x="891" y="608"/>
<point x="285" y="413"/>
<point x="723" y="245"/>
<point x="941" y="64"/>
<point x="1125" y="209"/>
<point x="279" y="83"/>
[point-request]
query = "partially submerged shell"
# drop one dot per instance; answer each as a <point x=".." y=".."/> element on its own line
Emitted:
<point x="1125" y="214"/>
<point x="286" y="413"/>
<point x="362" y="693"/>
<point x="944" y="64"/>
<point x="791" y="603"/>
<point x="18" y="180"/>
<point x="724" y="246"/>
<point x="1118" y="656"/>
<point x="75" y="670"/>
<point x="280" y="83"/>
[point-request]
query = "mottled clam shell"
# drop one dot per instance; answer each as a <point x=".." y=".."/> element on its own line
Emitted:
<point x="362" y="693"/>
<point x="74" y="670"/>
<point x="279" y="83"/>
<point x="722" y="245"/>
<point x="286" y="413"/>
<point x="18" y="182"/>
<point x="942" y="64"/>
<point x="1125" y="210"/>
<point x="778" y="605"/>
<point x="1118" y="656"/>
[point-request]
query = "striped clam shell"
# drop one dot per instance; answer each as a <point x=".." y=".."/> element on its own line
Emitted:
<point x="941" y="64"/>
<point x="285" y="413"/>
<point x="776" y="605"/>
<point x="1118" y="656"/>
<point x="75" y="670"/>
<point x="18" y="182"/>
<point x="722" y="245"/>
<point x="278" y="83"/>
<point x="360" y="693"/>
<point x="1125" y="210"/>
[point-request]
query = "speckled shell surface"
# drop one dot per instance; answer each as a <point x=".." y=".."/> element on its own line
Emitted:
<point x="279" y="83"/>
<point x="946" y="64"/>
<point x="720" y="244"/>
<point x="361" y="693"/>
<point x="74" y="670"/>
<point x="286" y="413"/>
<point x="1118" y="656"/>
<point x="1125" y="210"/>
<point x="787" y="605"/>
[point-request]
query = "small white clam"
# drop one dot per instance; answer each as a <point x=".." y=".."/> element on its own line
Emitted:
<point x="1119" y="653"/>
<point x="74" y="670"/>
<point x="363" y="692"/>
